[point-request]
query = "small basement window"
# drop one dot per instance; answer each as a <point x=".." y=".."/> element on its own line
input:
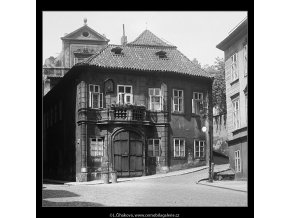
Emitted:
<point x="161" y="54"/>
<point x="117" y="51"/>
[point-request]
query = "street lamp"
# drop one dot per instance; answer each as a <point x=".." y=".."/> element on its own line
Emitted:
<point x="210" y="177"/>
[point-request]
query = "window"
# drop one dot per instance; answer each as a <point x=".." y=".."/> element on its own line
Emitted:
<point x="97" y="147"/>
<point x="125" y="95"/>
<point x="154" y="149"/>
<point x="237" y="161"/>
<point x="236" y="113"/>
<point x="198" y="149"/>
<point x="234" y="70"/>
<point x="161" y="54"/>
<point x="179" y="147"/>
<point x="155" y="99"/>
<point x="78" y="60"/>
<point x="197" y="103"/>
<point x="177" y="100"/>
<point x="246" y="60"/>
<point x="95" y="97"/>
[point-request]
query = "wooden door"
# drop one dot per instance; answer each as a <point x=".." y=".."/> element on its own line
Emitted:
<point x="128" y="154"/>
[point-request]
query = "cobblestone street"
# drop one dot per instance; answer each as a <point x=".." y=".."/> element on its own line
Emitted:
<point x="178" y="190"/>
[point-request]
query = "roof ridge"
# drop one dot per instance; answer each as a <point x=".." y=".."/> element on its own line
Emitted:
<point x="147" y="39"/>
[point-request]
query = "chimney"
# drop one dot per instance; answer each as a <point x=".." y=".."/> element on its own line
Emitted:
<point x="124" y="38"/>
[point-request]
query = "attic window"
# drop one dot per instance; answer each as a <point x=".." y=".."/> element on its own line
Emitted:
<point x="85" y="34"/>
<point x="117" y="51"/>
<point x="161" y="54"/>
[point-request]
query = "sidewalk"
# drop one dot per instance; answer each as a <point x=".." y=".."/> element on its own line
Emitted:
<point x="95" y="182"/>
<point x="241" y="186"/>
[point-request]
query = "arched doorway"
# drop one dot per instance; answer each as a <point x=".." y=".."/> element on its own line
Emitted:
<point x="128" y="154"/>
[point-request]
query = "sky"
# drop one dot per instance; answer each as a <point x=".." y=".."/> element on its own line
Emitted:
<point x="195" y="33"/>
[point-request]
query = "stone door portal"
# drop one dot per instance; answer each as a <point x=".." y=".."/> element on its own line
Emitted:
<point x="128" y="154"/>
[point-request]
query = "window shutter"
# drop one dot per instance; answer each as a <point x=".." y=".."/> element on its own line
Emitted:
<point x="101" y="100"/>
<point x="193" y="106"/>
<point x="90" y="99"/>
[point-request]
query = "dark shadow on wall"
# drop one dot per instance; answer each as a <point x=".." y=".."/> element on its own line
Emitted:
<point x="46" y="203"/>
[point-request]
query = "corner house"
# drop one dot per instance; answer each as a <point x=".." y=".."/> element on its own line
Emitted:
<point x="133" y="108"/>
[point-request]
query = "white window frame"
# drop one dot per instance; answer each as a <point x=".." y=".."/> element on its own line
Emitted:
<point x="99" y="147"/>
<point x="153" y="145"/>
<point x="234" y="67"/>
<point x="180" y="106"/>
<point x="201" y="147"/>
<point x="197" y="101"/>
<point x="124" y="95"/>
<point x="245" y="56"/>
<point x="92" y="92"/>
<point x="238" y="167"/>
<point x="153" y="90"/>
<point x="179" y="147"/>
<point x="236" y="113"/>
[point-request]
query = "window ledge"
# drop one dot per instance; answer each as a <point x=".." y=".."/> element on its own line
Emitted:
<point x="179" y="158"/>
<point x="178" y="113"/>
<point x="234" y="82"/>
<point x="239" y="130"/>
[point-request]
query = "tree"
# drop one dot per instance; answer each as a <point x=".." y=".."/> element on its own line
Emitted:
<point x="195" y="61"/>
<point x="219" y="84"/>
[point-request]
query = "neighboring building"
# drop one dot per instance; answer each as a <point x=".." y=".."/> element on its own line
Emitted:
<point x="220" y="137"/>
<point x="134" y="108"/>
<point x="235" y="47"/>
<point x="76" y="47"/>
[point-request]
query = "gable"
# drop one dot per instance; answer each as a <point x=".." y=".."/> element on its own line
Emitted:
<point x="85" y="33"/>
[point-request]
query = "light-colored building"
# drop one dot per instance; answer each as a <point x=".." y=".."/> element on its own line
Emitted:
<point x="76" y="47"/>
<point x="235" y="47"/>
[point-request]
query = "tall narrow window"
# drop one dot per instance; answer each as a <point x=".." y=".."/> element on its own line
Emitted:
<point x="234" y="66"/>
<point x="154" y="149"/>
<point x="95" y="97"/>
<point x="155" y="99"/>
<point x="177" y="100"/>
<point x="198" y="149"/>
<point x="197" y="103"/>
<point x="125" y="94"/>
<point x="236" y="113"/>
<point x="97" y="147"/>
<point x="179" y="147"/>
<point x="246" y="60"/>
<point x="237" y="161"/>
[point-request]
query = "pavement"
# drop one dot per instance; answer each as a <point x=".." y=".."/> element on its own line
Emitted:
<point x="200" y="175"/>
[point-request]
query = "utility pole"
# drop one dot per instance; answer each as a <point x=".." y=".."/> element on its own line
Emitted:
<point x="207" y="130"/>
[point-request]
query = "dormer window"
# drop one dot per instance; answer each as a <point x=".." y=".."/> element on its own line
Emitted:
<point x="117" y="51"/>
<point x="161" y="54"/>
